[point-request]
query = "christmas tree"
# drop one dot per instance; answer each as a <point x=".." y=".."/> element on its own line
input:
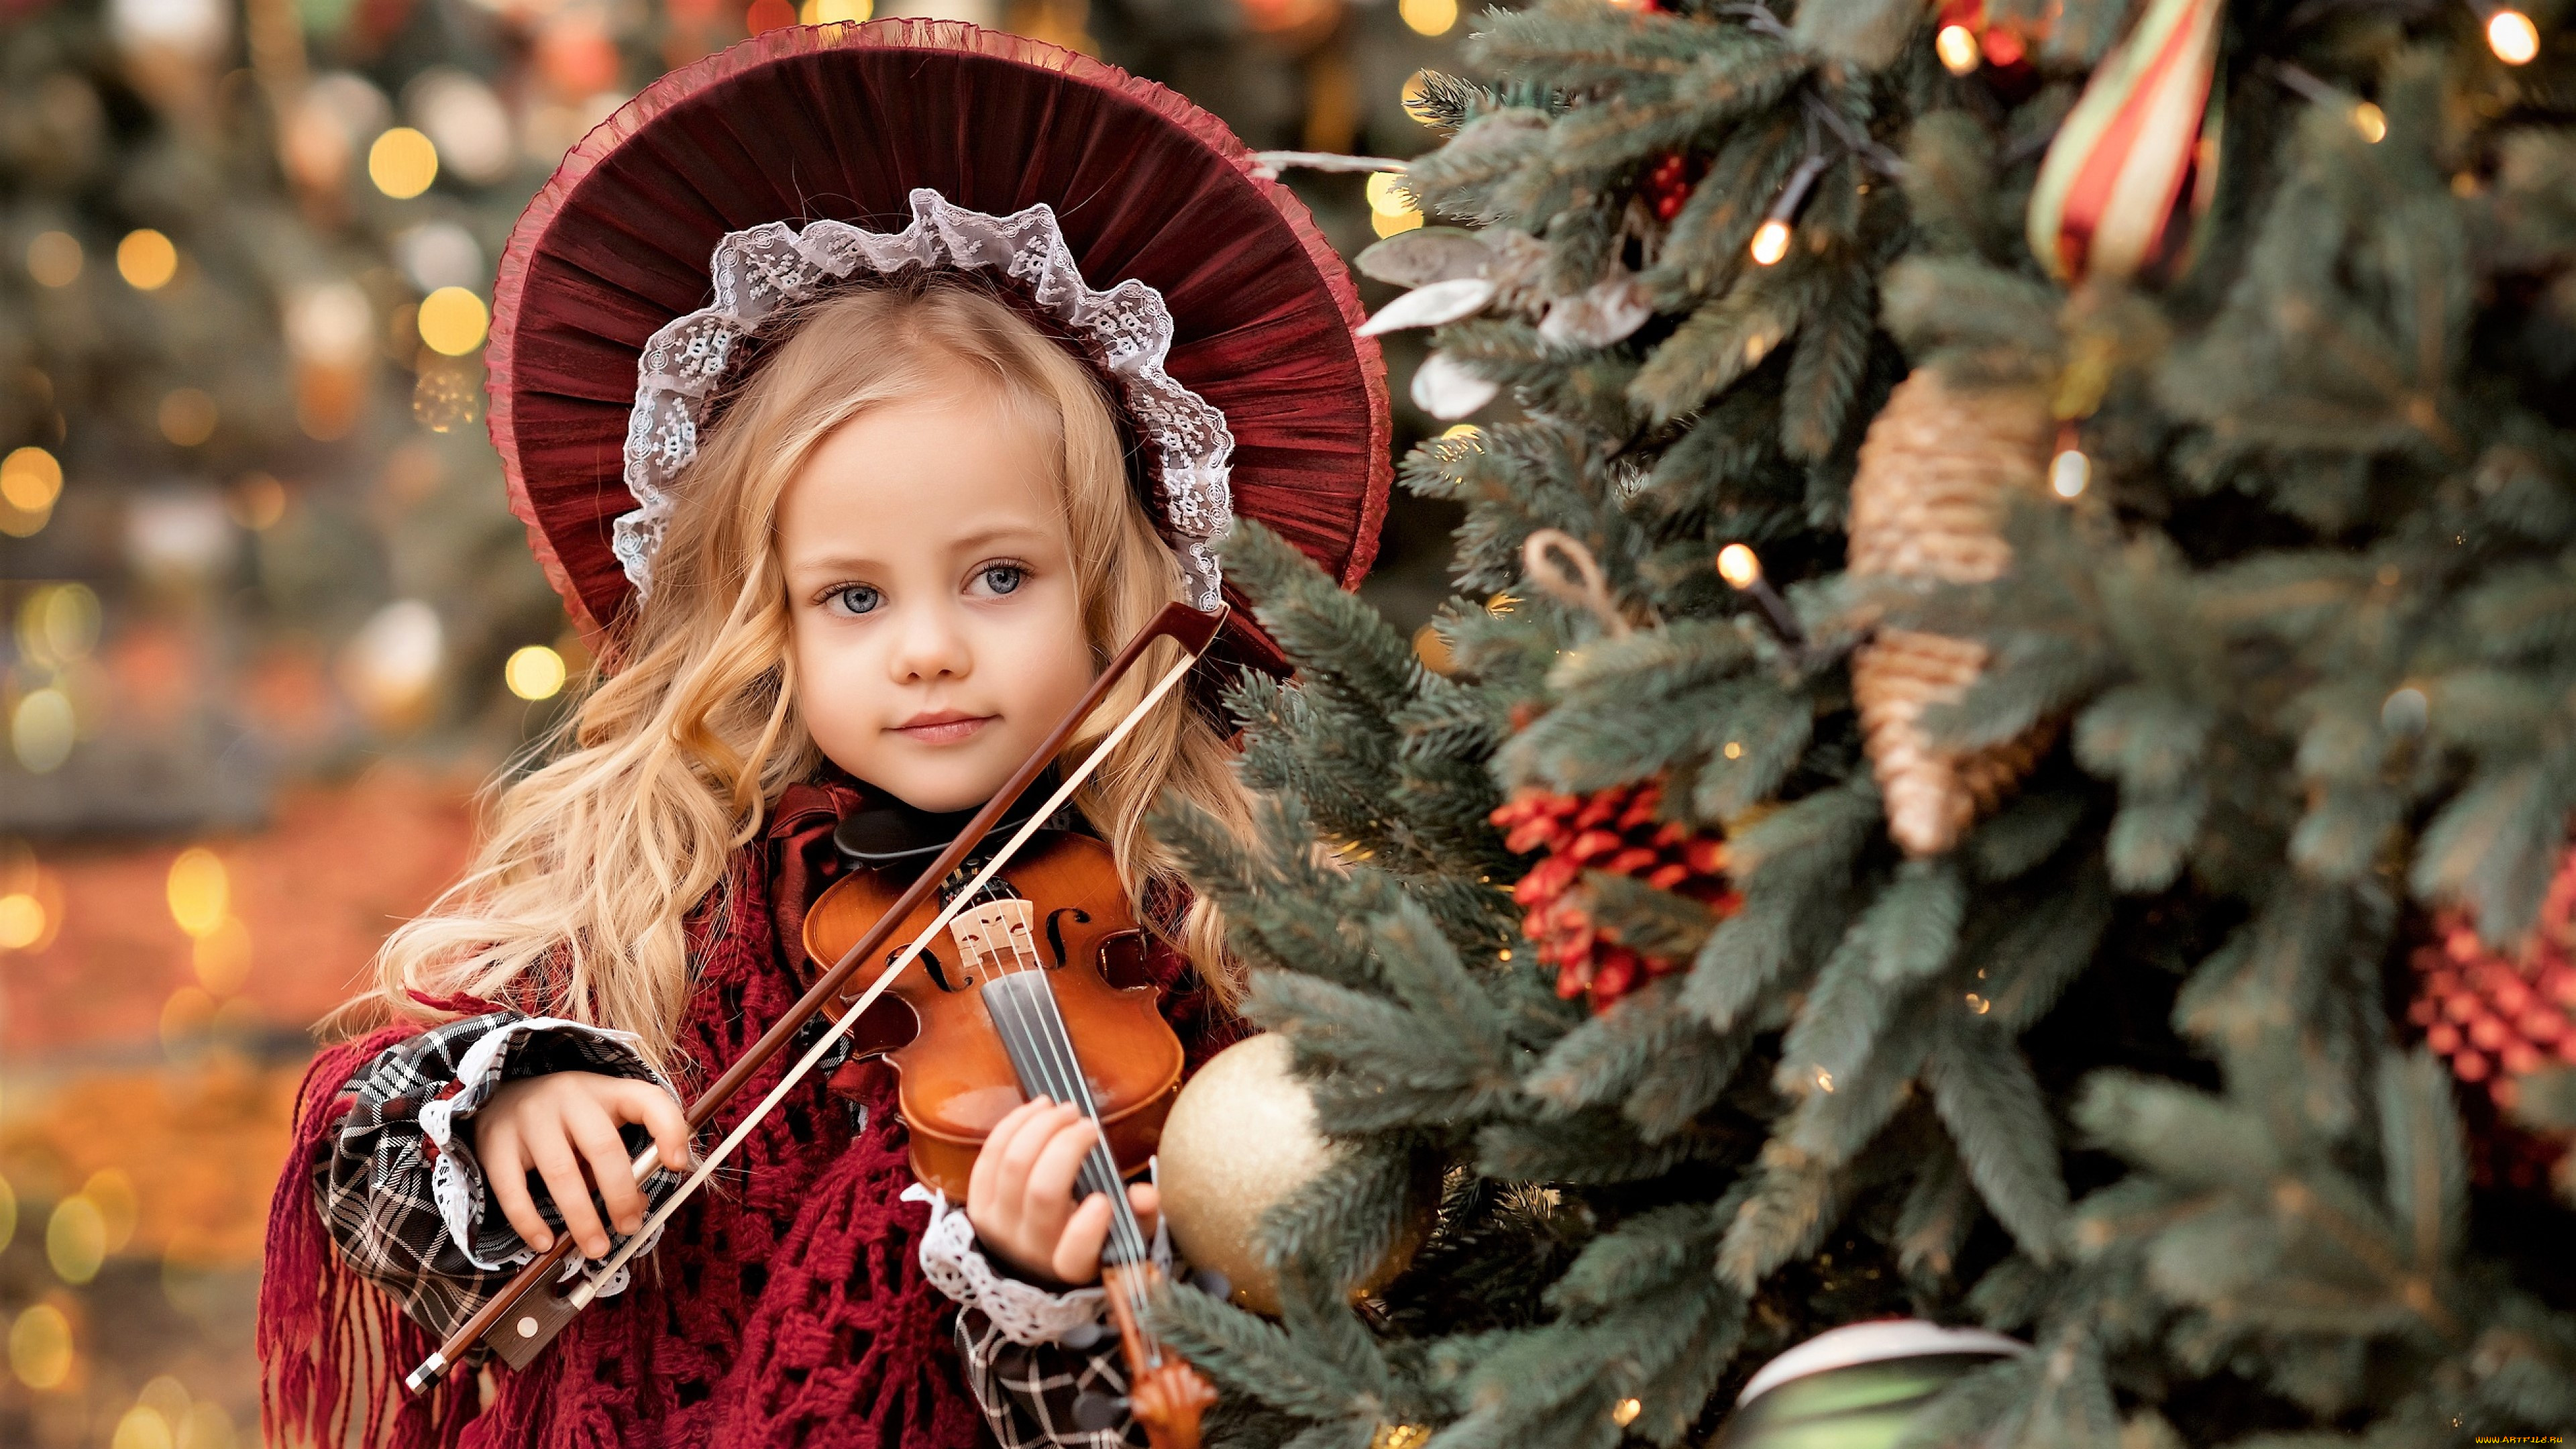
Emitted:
<point x="2005" y="753"/>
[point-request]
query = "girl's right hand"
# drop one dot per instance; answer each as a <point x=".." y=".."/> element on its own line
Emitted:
<point x="560" y="1123"/>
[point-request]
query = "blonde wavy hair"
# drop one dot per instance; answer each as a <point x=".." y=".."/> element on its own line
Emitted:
<point x="586" y="864"/>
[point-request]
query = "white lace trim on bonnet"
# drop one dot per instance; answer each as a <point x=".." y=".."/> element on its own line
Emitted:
<point x="772" y="265"/>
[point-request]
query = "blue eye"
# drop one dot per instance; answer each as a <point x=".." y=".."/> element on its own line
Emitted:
<point x="862" y="598"/>
<point x="1005" y="578"/>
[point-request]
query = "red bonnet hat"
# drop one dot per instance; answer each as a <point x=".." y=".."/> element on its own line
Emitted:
<point x="1127" y="220"/>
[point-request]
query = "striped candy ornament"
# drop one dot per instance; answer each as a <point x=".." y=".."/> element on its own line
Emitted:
<point x="2104" y="203"/>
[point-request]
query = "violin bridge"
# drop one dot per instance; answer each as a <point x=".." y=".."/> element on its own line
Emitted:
<point x="998" y="935"/>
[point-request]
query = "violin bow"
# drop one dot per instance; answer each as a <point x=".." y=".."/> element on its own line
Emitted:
<point x="537" y="1321"/>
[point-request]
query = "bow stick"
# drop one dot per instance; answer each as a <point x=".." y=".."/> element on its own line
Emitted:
<point x="546" y="1316"/>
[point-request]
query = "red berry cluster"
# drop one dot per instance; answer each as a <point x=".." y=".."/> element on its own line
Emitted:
<point x="1612" y="830"/>
<point x="1668" y="184"/>
<point x="2499" y="1017"/>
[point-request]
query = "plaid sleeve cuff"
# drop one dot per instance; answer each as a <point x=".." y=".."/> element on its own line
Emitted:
<point x="527" y="1047"/>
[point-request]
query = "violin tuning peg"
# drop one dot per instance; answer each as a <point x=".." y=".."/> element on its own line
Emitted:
<point x="1096" y="1412"/>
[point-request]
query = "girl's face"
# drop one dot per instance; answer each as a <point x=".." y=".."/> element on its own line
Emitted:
<point x="937" y="626"/>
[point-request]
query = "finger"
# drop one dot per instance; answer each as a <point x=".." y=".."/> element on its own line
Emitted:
<point x="1147" y="1201"/>
<point x="1077" y="1253"/>
<point x="1027" y="1145"/>
<point x="610" y="1165"/>
<point x="556" y="1163"/>
<point x="505" y="1177"/>
<point x="983" y="1184"/>
<point x="660" y="1113"/>
<point x="1049" y="1192"/>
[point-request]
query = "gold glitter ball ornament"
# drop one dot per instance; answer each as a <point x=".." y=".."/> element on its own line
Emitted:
<point x="1241" y="1139"/>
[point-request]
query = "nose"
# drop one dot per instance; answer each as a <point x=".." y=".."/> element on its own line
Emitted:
<point x="930" y="645"/>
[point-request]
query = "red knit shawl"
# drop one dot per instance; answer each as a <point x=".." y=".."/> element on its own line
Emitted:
<point x="786" y="1306"/>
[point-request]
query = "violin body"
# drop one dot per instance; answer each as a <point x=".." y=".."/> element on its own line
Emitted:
<point x="937" y="1025"/>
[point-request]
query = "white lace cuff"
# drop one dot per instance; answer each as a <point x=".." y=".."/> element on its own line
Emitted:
<point x="456" y="1177"/>
<point x="1023" y="1312"/>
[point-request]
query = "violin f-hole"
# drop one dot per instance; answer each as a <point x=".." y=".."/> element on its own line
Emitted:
<point x="938" y="973"/>
<point x="1055" y="928"/>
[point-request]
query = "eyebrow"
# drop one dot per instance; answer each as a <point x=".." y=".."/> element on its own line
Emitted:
<point x="975" y="540"/>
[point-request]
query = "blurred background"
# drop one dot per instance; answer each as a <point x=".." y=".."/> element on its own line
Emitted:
<point x="268" y="621"/>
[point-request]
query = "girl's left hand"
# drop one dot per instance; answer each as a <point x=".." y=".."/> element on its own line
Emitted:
<point x="1020" y="1196"/>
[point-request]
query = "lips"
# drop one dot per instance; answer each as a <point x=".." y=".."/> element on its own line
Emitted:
<point x="943" y="727"/>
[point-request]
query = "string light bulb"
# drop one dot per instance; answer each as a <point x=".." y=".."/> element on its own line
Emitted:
<point x="1957" y="46"/>
<point x="2070" y="471"/>
<point x="1770" y="242"/>
<point x="2370" y="121"/>
<point x="2512" y="36"/>
<point x="1771" y="239"/>
<point x="1739" y="566"/>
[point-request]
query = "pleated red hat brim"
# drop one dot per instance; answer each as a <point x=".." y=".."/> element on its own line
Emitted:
<point x="842" y="121"/>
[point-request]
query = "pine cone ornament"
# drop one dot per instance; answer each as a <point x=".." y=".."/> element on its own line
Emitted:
<point x="1613" y="830"/>
<point x="1936" y="472"/>
<point x="2498" y="1017"/>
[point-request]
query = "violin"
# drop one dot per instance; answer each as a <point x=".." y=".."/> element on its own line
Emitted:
<point x="1029" y="1003"/>
<point x="1041" y="993"/>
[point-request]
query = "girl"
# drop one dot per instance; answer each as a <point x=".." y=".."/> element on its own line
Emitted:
<point x="884" y="507"/>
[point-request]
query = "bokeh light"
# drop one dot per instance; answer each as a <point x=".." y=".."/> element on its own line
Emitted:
<point x="1738" y="565"/>
<point x="142" y="1427"/>
<point x="535" y="672"/>
<point x="1428" y="17"/>
<point x="188" y="416"/>
<point x="2512" y="36"/>
<point x="8" y="1214"/>
<point x="76" y="1240"/>
<point x="834" y="12"/>
<point x="2370" y="121"/>
<point x="40" y="1347"/>
<point x="30" y="479"/>
<point x="199" y="891"/>
<point x="54" y="259"/>
<point x="1957" y="47"/>
<point x="22" y="924"/>
<point x="402" y="163"/>
<point x="1391" y="207"/>
<point x="146" y="260"/>
<point x="41" y="730"/>
<point x="111" y="1192"/>
<point x="453" y="321"/>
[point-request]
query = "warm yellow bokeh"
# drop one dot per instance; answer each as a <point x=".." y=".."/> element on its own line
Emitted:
<point x="40" y="1347"/>
<point x="112" y="1192"/>
<point x="146" y="260"/>
<point x="535" y="672"/>
<point x="453" y="321"/>
<point x="834" y="12"/>
<point x="31" y="479"/>
<point x="1738" y="565"/>
<point x="1428" y="17"/>
<point x="143" y="1428"/>
<point x="2371" y="122"/>
<point x="22" y="921"/>
<point x="200" y="891"/>
<point x="76" y="1240"/>
<point x="2512" y="36"/>
<point x="1957" y="47"/>
<point x="402" y="163"/>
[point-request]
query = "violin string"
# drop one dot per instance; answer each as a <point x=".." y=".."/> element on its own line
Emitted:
<point x="1122" y="1217"/>
<point x="1053" y="1061"/>
<point x="646" y="1162"/>
<point x="1065" y="1065"/>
